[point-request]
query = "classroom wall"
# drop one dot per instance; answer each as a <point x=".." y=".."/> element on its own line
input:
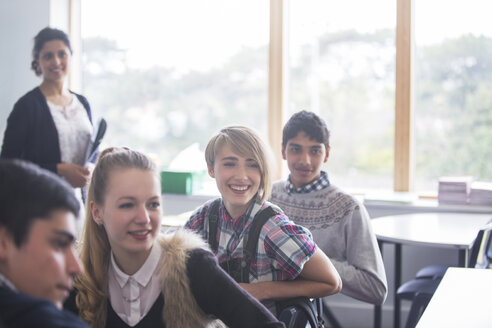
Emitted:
<point x="20" y="21"/>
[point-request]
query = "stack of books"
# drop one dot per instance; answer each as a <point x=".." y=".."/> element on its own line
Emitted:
<point x="454" y="190"/>
<point x="481" y="193"/>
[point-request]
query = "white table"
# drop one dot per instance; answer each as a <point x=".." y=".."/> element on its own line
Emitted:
<point x="443" y="230"/>
<point x="463" y="299"/>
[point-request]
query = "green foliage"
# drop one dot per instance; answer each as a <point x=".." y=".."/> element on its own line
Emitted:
<point x="453" y="108"/>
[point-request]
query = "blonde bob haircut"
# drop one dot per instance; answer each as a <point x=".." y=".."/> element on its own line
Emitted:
<point x="95" y="250"/>
<point x="244" y="142"/>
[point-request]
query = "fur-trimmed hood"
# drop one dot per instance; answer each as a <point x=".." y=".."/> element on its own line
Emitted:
<point x="180" y="307"/>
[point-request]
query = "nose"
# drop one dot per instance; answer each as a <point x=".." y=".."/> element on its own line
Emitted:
<point x="241" y="173"/>
<point x="305" y="158"/>
<point x="142" y="216"/>
<point x="56" y="60"/>
<point x="74" y="266"/>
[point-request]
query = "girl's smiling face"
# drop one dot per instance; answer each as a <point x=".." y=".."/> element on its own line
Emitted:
<point x="131" y="213"/>
<point x="238" y="179"/>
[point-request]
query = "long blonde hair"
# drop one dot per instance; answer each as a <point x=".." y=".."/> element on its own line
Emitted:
<point x="244" y="142"/>
<point x="92" y="285"/>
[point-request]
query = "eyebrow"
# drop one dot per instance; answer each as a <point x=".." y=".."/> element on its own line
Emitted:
<point x="126" y="198"/>
<point x="134" y="198"/>
<point x="65" y="234"/>
<point x="232" y="158"/>
<point x="229" y="158"/>
<point x="297" y="145"/>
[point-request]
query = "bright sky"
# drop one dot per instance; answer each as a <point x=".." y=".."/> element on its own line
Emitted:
<point x="175" y="32"/>
<point x="195" y="34"/>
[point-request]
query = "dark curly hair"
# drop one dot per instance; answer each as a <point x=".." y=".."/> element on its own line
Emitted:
<point x="310" y="123"/>
<point x="45" y="35"/>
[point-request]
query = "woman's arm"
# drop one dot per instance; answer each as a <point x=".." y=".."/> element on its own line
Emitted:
<point x="15" y="134"/>
<point x="318" y="278"/>
<point x="219" y="295"/>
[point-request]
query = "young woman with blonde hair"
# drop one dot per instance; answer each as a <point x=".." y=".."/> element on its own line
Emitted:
<point x="286" y="263"/>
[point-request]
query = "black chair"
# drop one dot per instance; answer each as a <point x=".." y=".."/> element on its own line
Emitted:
<point x="437" y="271"/>
<point x="330" y="317"/>
<point x="420" y="289"/>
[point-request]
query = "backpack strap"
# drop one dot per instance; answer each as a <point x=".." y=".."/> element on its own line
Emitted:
<point x="254" y="232"/>
<point x="253" y="236"/>
<point x="300" y="304"/>
<point x="213" y="221"/>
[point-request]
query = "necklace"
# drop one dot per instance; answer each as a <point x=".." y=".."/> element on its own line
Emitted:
<point x="128" y="299"/>
<point x="131" y="300"/>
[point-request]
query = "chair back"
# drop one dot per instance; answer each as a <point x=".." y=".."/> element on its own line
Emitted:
<point x="481" y="252"/>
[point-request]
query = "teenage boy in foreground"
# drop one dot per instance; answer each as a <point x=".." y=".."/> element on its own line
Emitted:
<point x="37" y="257"/>
<point x="339" y="223"/>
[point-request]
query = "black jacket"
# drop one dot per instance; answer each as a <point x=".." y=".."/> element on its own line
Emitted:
<point x="31" y="132"/>
<point x="22" y="311"/>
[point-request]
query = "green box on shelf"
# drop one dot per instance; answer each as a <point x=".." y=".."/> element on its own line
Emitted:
<point x="175" y="182"/>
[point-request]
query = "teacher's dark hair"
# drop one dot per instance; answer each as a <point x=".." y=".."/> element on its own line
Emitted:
<point x="45" y="35"/>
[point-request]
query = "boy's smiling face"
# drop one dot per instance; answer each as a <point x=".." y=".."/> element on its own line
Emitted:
<point x="238" y="180"/>
<point x="305" y="157"/>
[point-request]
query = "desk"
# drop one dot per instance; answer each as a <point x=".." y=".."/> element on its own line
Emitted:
<point x="170" y="223"/>
<point x="443" y="230"/>
<point x="461" y="300"/>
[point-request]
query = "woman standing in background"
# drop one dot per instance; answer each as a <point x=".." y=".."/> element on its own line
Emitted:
<point x="50" y="125"/>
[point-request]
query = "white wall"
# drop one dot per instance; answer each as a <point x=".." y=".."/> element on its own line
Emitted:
<point x="20" y="21"/>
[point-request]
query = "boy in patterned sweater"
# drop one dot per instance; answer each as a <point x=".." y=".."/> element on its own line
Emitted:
<point x="339" y="223"/>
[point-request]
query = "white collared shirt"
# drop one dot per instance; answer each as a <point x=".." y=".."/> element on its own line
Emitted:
<point x="132" y="296"/>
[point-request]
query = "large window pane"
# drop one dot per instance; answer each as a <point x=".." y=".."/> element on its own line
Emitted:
<point x="166" y="74"/>
<point x="342" y="66"/>
<point x="453" y="102"/>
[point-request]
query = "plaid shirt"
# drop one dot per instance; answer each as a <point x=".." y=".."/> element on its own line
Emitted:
<point x="283" y="246"/>
<point x="321" y="183"/>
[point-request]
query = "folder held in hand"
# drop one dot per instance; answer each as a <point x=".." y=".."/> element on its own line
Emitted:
<point x="96" y="139"/>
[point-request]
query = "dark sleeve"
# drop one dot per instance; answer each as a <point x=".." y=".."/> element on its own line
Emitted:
<point x="23" y="311"/>
<point x="219" y="295"/>
<point x="16" y="133"/>
<point x="31" y="133"/>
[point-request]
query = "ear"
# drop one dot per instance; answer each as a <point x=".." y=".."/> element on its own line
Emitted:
<point x="327" y="154"/>
<point x="283" y="153"/>
<point x="6" y="243"/>
<point x="96" y="213"/>
<point x="211" y="171"/>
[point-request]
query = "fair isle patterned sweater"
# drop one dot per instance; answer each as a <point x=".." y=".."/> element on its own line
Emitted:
<point x="341" y="227"/>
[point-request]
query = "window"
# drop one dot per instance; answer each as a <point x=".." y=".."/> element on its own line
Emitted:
<point x="168" y="74"/>
<point x="342" y="66"/>
<point x="453" y="103"/>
